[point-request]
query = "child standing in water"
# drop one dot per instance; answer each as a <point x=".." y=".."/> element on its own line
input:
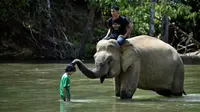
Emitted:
<point x="65" y="83"/>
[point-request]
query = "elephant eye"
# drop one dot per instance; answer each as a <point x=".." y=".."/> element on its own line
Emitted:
<point x="98" y="63"/>
<point x="109" y="61"/>
<point x="101" y="64"/>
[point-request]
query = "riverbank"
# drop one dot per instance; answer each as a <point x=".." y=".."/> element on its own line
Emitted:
<point x="42" y="61"/>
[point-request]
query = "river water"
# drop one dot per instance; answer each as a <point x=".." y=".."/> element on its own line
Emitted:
<point x="35" y="88"/>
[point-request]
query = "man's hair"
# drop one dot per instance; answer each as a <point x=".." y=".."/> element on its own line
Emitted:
<point x="70" y="68"/>
<point x="115" y="7"/>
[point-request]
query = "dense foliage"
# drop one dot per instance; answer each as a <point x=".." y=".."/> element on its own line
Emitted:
<point x="67" y="29"/>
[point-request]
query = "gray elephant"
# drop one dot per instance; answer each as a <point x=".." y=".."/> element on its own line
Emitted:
<point x="142" y="62"/>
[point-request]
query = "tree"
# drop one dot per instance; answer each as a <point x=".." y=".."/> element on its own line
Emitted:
<point x="55" y="29"/>
<point x="152" y="17"/>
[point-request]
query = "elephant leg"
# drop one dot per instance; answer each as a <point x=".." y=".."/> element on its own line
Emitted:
<point x="178" y="81"/>
<point x="117" y="85"/>
<point x="130" y="80"/>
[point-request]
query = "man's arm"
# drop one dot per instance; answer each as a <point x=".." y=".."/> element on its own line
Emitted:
<point x="108" y="33"/>
<point x="129" y="30"/>
<point x="65" y="93"/>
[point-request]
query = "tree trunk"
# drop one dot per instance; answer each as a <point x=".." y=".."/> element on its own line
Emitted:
<point x="152" y="17"/>
<point x="48" y="13"/>
<point x="191" y="58"/>
<point x="165" y="31"/>
<point x="87" y="32"/>
<point x="49" y="7"/>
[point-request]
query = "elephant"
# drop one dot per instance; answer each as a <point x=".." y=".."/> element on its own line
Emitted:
<point x="143" y="62"/>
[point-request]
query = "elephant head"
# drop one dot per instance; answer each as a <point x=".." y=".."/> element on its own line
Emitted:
<point x="110" y="60"/>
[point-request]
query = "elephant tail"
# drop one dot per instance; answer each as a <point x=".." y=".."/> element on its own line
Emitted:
<point x="184" y="92"/>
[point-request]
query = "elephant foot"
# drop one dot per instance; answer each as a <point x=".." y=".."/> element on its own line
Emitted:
<point x="126" y="95"/>
<point x="178" y="94"/>
<point x="117" y="94"/>
<point x="165" y="92"/>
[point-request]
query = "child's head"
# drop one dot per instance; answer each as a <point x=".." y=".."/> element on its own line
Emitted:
<point x="70" y="69"/>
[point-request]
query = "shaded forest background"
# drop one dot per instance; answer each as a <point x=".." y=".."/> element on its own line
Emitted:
<point x="68" y="29"/>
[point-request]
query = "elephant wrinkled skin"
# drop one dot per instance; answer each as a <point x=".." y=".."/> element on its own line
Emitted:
<point x="142" y="62"/>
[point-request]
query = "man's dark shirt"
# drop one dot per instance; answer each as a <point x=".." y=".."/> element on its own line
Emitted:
<point x="118" y="26"/>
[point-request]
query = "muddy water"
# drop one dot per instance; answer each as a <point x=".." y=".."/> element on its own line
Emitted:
<point x="35" y="88"/>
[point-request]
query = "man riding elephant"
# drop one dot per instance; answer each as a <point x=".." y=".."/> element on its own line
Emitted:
<point x="119" y="27"/>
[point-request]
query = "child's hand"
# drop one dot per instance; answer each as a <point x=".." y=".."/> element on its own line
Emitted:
<point x="67" y="100"/>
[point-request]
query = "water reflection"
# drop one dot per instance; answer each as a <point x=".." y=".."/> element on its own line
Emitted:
<point x="142" y="103"/>
<point x="65" y="107"/>
<point x="187" y="98"/>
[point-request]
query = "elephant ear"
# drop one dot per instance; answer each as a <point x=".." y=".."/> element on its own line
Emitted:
<point x="129" y="55"/>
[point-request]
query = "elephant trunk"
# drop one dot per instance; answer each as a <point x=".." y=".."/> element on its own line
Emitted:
<point x="86" y="71"/>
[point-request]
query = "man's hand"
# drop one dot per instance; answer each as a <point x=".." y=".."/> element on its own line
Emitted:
<point x="121" y="40"/>
<point x="106" y="38"/>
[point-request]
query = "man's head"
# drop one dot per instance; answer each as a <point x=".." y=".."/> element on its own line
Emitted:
<point x="70" y="69"/>
<point x="115" y="11"/>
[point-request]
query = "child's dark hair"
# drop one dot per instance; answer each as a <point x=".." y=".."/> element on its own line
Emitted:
<point x="115" y="7"/>
<point x="70" y="68"/>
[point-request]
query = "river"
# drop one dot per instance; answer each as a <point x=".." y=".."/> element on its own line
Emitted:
<point x="32" y="87"/>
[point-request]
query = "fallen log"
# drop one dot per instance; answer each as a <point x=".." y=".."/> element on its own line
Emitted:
<point x="191" y="58"/>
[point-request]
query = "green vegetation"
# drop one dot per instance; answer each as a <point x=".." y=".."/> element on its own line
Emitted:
<point x="65" y="29"/>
